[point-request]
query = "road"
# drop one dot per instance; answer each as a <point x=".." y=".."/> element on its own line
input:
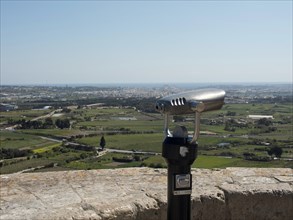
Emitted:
<point x="47" y="115"/>
<point x="50" y="139"/>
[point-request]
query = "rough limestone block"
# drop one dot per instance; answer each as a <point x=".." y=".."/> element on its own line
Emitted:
<point x="141" y="193"/>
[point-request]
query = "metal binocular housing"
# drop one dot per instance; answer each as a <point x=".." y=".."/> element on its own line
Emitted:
<point x="179" y="150"/>
<point x="200" y="100"/>
<point x="192" y="102"/>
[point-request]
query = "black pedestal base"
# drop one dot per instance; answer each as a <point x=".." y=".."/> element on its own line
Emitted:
<point x="179" y="154"/>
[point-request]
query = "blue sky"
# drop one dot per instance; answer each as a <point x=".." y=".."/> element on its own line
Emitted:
<point x="49" y="42"/>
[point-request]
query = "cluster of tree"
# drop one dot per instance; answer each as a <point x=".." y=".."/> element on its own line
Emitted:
<point x="80" y="157"/>
<point x="277" y="151"/>
<point x="80" y="147"/>
<point x="9" y="153"/>
<point x="65" y="149"/>
<point x="270" y="129"/>
<point x="253" y="157"/>
<point x="266" y="125"/>
<point x="264" y="122"/>
<point x="61" y="149"/>
<point x="146" y="105"/>
<point x="262" y="149"/>
<point x="232" y="124"/>
<point x="123" y="159"/>
<point x="24" y="124"/>
<point x="38" y="124"/>
<point x="62" y="123"/>
<point x="263" y="129"/>
<point x="126" y="159"/>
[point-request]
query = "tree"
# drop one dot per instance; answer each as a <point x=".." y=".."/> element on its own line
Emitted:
<point x="102" y="142"/>
<point x="278" y="151"/>
<point x="264" y="121"/>
<point x="62" y="123"/>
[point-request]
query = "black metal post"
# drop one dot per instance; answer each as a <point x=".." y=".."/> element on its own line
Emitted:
<point x="179" y="154"/>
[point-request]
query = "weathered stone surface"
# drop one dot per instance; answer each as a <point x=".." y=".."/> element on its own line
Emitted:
<point x="140" y="193"/>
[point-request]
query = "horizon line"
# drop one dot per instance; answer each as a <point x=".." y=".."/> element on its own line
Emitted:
<point x="142" y="83"/>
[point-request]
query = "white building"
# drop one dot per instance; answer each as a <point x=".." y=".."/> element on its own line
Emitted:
<point x="257" y="117"/>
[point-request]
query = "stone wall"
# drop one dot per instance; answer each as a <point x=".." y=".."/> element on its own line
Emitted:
<point x="140" y="193"/>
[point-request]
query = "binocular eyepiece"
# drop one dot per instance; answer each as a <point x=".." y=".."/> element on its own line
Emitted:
<point x="190" y="102"/>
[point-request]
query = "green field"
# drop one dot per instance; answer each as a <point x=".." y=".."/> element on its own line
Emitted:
<point x="52" y="132"/>
<point x="207" y="162"/>
<point x="222" y="162"/>
<point x="22" y="114"/>
<point x="20" y="140"/>
<point x="25" y="164"/>
<point x="128" y="129"/>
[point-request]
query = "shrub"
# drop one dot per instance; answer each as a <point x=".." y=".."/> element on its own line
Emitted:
<point x="277" y="151"/>
<point x="122" y="160"/>
<point x="9" y="153"/>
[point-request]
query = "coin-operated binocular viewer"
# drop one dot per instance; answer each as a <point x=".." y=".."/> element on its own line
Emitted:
<point x="179" y="149"/>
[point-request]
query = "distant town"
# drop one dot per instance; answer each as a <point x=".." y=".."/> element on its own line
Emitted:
<point x="14" y="97"/>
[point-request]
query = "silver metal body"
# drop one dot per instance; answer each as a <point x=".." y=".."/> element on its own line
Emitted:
<point x="200" y="100"/>
<point x="193" y="102"/>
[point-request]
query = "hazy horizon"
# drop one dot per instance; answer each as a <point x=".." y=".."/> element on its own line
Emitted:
<point x="138" y="42"/>
<point x="160" y="84"/>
